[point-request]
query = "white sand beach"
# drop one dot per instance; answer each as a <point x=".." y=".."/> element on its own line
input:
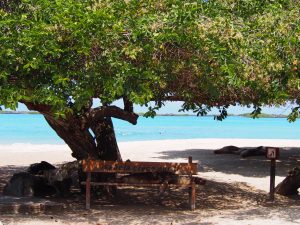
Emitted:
<point x="247" y="204"/>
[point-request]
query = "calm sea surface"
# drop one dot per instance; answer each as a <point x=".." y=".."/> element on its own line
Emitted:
<point x="35" y="130"/>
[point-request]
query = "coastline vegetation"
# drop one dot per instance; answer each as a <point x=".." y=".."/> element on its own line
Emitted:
<point x="57" y="57"/>
<point x="263" y="115"/>
<point x="19" y="112"/>
<point x="248" y="115"/>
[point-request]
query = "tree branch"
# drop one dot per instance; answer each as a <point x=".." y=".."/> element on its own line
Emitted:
<point x="128" y="105"/>
<point x="42" y="108"/>
<point x="111" y="111"/>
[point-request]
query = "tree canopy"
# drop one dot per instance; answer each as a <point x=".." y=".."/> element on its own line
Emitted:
<point x="62" y="54"/>
<point x="56" y="56"/>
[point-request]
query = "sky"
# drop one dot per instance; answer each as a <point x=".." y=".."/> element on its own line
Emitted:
<point x="173" y="107"/>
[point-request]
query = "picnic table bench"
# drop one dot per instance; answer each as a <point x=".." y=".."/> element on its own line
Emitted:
<point x="139" y="168"/>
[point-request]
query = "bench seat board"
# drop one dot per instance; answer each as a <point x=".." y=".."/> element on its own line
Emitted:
<point x="138" y="167"/>
<point x="135" y="184"/>
<point x="100" y="166"/>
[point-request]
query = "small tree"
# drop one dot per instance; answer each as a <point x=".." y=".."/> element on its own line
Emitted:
<point x="57" y="56"/>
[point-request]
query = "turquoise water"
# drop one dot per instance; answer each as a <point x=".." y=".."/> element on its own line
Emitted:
<point x="34" y="129"/>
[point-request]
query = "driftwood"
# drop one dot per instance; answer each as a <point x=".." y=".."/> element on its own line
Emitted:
<point x="289" y="186"/>
<point x="243" y="152"/>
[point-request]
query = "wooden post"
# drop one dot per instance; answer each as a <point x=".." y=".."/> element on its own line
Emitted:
<point x="88" y="190"/>
<point x="272" y="154"/>
<point x="272" y="179"/>
<point x="192" y="191"/>
<point x="192" y="196"/>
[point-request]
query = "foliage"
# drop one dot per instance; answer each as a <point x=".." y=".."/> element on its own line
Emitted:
<point x="204" y="53"/>
<point x="263" y="115"/>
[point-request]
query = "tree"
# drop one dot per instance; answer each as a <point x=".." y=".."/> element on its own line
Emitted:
<point x="57" y="56"/>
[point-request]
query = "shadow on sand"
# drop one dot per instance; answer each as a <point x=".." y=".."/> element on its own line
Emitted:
<point x="255" y="166"/>
<point x="145" y="206"/>
<point x="7" y="172"/>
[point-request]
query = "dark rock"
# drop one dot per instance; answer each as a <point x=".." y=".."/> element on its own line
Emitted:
<point x="228" y="150"/>
<point x="42" y="189"/>
<point x="27" y="185"/>
<point x="43" y="179"/>
<point x="253" y="151"/>
<point x="20" y="185"/>
<point x="38" y="168"/>
<point x="63" y="177"/>
<point x="289" y="186"/>
<point x="243" y="152"/>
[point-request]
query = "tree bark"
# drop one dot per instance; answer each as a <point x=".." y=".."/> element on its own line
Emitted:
<point x="81" y="141"/>
<point x="90" y="135"/>
<point x="289" y="186"/>
<point x="105" y="137"/>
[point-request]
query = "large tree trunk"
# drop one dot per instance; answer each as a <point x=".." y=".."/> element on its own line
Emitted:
<point x="290" y="185"/>
<point x="81" y="141"/>
<point x="90" y="132"/>
<point x="105" y="137"/>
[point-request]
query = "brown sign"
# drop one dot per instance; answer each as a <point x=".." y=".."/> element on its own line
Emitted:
<point x="138" y="167"/>
<point x="272" y="153"/>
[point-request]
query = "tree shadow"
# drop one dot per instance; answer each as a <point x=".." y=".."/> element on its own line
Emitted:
<point x="255" y="166"/>
<point x="290" y="215"/>
<point x="140" y="204"/>
<point x="6" y="173"/>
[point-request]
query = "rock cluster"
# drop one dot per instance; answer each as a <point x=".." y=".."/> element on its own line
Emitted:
<point x="43" y="179"/>
<point x="243" y="152"/>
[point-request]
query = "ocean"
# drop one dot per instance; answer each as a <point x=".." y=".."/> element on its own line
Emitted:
<point x="33" y="129"/>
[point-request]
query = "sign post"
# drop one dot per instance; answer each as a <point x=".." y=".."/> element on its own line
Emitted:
<point x="272" y="154"/>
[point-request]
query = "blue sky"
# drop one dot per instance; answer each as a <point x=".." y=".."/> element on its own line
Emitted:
<point x="173" y="107"/>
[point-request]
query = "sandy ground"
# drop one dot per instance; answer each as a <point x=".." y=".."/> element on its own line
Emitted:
<point x="235" y="193"/>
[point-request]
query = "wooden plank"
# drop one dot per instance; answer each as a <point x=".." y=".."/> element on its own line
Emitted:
<point x="135" y="184"/>
<point x="138" y="167"/>
<point x="192" y="196"/>
<point x="88" y="191"/>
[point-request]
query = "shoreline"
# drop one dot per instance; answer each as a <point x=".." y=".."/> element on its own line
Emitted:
<point x="154" y="150"/>
<point x="211" y="166"/>
<point x="204" y="140"/>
